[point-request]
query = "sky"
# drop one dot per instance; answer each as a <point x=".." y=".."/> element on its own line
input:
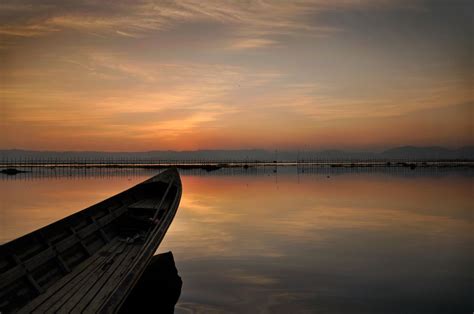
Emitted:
<point x="187" y="75"/>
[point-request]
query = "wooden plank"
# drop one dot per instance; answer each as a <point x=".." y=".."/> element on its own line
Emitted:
<point x="62" y="263"/>
<point x="58" y="257"/>
<point x="101" y="232"/>
<point x="86" y="231"/>
<point x="11" y="275"/>
<point x="102" y="289"/>
<point x="73" y="239"/>
<point x="105" y="220"/>
<point x="149" y="203"/>
<point x="61" y="287"/>
<point x="79" y="240"/>
<point x="160" y="206"/>
<point x="39" y="259"/>
<point x="28" y="276"/>
<point x="98" y="276"/>
<point x="65" y="244"/>
<point x="31" y="249"/>
<point x="35" y="285"/>
<point x="74" y="286"/>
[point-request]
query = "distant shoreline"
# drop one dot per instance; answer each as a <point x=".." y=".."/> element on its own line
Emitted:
<point x="9" y="168"/>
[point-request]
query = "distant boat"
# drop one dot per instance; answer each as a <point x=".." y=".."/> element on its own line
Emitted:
<point x="89" y="261"/>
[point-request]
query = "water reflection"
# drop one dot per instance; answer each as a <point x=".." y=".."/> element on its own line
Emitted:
<point x="370" y="241"/>
<point x="158" y="289"/>
<point x="35" y="173"/>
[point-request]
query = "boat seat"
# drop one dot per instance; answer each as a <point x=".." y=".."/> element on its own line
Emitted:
<point x="149" y="203"/>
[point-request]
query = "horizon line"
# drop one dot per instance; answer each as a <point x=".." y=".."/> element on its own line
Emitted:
<point x="245" y="149"/>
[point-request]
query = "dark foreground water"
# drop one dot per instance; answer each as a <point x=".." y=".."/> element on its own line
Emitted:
<point x="322" y="241"/>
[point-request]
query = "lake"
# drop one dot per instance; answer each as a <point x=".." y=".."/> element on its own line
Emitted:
<point x="291" y="240"/>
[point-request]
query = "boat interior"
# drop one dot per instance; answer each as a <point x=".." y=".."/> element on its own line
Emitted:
<point x="89" y="251"/>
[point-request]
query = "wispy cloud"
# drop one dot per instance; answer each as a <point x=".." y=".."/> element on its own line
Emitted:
<point x="252" y="43"/>
<point x="253" y="19"/>
<point x="128" y="34"/>
<point x="151" y="100"/>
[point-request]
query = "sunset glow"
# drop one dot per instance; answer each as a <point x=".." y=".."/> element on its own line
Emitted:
<point x="145" y="75"/>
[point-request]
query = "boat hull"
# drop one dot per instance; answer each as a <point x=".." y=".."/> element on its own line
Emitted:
<point x="89" y="261"/>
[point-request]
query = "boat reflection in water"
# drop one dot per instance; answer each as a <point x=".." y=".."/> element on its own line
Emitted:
<point x="158" y="289"/>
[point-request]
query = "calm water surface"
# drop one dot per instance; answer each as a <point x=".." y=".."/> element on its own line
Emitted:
<point x="288" y="242"/>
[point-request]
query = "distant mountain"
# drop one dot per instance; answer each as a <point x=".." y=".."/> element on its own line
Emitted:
<point x="432" y="152"/>
<point x="398" y="153"/>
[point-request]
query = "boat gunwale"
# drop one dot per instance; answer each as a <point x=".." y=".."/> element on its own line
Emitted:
<point x="108" y="306"/>
<point x="78" y="214"/>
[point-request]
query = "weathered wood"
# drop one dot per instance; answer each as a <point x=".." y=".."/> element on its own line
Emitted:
<point x="89" y="261"/>
<point x="69" y="282"/>
<point x="95" y="297"/>
<point x="57" y="257"/>
<point x="35" y="285"/>
<point x="76" y="289"/>
<point x="145" y="204"/>
<point x="104" y="287"/>
<point x="11" y="275"/>
<point x="122" y="290"/>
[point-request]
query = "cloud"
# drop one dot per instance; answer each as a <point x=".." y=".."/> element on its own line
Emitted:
<point x="112" y="92"/>
<point x="26" y="31"/>
<point x="246" y="73"/>
<point x="252" y="43"/>
<point x="128" y="34"/>
<point x="253" y="19"/>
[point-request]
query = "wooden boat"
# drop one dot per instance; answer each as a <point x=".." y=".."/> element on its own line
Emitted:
<point x="89" y="262"/>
